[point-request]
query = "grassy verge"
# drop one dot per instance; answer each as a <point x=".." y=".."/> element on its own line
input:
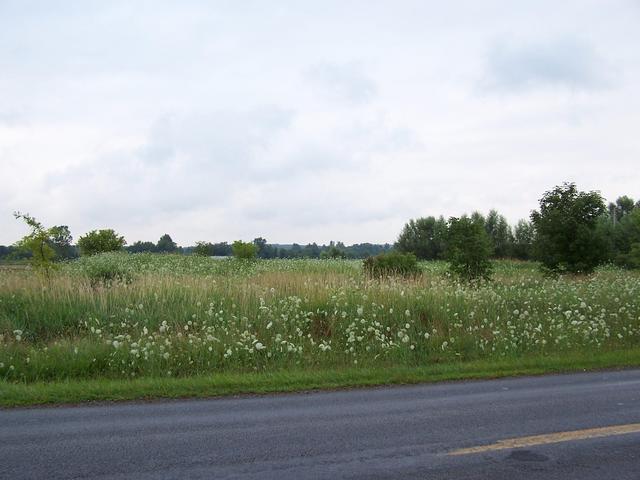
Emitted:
<point x="75" y="391"/>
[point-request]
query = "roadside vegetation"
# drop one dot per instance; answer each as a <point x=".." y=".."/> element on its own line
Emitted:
<point x="152" y="321"/>
<point x="271" y="316"/>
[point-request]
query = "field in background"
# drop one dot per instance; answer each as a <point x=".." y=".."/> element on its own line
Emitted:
<point x="178" y="317"/>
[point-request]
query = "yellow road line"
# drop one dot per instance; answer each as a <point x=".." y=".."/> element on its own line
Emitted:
<point x="551" y="438"/>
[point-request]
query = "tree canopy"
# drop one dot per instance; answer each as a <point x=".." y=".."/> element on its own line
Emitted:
<point x="567" y="238"/>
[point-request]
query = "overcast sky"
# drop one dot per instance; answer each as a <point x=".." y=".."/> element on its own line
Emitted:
<point x="305" y="121"/>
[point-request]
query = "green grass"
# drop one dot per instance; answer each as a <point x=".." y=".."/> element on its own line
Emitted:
<point x="173" y="320"/>
<point x="204" y="386"/>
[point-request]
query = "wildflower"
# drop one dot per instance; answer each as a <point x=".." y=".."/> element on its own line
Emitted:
<point x="259" y="346"/>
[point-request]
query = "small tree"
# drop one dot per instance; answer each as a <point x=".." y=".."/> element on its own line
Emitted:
<point x="38" y="243"/>
<point x="499" y="233"/>
<point x="524" y="236"/>
<point x="567" y="234"/>
<point x="61" y="242"/>
<point x="203" y="249"/>
<point x="100" y="241"/>
<point x="166" y="244"/>
<point x="244" y="250"/>
<point x="468" y="249"/>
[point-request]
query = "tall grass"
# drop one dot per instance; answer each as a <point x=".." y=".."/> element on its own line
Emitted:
<point x="185" y="316"/>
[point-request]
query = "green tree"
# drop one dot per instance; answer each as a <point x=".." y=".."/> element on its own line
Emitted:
<point x="333" y="252"/>
<point x="140" y="247"/>
<point x="61" y="242"/>
<point x="468" y="249"/>
<point x="632" y="258"/>
<point x="244" y="250"/>
<point x="524" y="235"/>
<point x="567" y="237"/>
<point x="623" y="206"/>
<point x="626" y="239"/>
<point x="500" y="234"/>
<point x="203" y="249"/>
<point x="100" y="241"/>
<point x="222" y="249"/>
<point x="311" y="250"/>
<point x="166" y="244"/>
<point x="38" y="243"/>
<point x="424" y="237"/>
<point x="264" y="250"/>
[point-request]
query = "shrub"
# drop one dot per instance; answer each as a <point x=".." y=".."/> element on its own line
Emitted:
<point x="100" y="241"/>
<point x="105" y="269"/>
<point x="392" y="264"/>
<point x="244" y="250"/>
<point x="468" y="249"/>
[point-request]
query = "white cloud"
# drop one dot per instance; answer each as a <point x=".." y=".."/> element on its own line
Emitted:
<point x="309" y="122"/>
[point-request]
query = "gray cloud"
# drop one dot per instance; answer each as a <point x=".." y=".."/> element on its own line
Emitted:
<point x="215" y="121"/>
<point x="12" y="118"/>
<point x="187" y="162"/>
<point x="564" y="62"/>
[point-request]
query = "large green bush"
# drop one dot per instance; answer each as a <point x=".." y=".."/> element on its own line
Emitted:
<point x="244" y="250"/>
<point x="100" y="241"/>
<point x="468" y="249"/>
<point x="392" y="264"/>
<point x="567" y="235"/>
<point x="105" y="269"/>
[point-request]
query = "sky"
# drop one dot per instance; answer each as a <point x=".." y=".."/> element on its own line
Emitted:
<point x="303" y="121"/>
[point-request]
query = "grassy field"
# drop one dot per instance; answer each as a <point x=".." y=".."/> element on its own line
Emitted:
<point x="172" y="325"/>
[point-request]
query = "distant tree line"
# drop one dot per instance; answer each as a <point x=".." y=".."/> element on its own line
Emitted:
<point x="312" y="250"/>
<point x="571" y="231"/>
<point x="106" y="240"/>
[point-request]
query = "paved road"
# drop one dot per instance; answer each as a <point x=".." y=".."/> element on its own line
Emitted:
<point x="401" y="433"/>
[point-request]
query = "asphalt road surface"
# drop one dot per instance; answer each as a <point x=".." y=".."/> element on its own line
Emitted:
<point x="582" y="426"/>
